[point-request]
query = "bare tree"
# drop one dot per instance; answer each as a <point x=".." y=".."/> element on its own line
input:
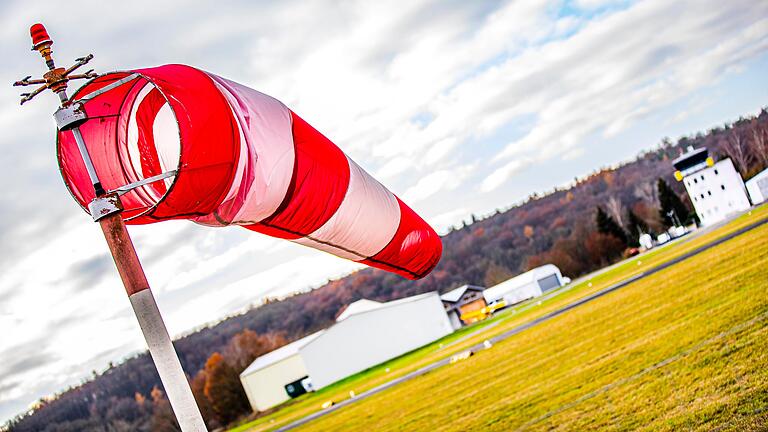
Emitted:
<point x="615" y="209"/>
<point x="735" y="146"/>
<point x="647" y="192"/>
<point x="759" y="141"/>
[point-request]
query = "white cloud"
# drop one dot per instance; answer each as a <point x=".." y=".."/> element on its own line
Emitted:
<point x="573" y="153"/>
<point x="573" y="97"/>
<point x="438" y="181"/>
<point x="595" y="4"/>
<point x="394" y="166"/>
<point x="294" y="275"/>
<point x="500" y="175"/>
<point x="444" y="222"/>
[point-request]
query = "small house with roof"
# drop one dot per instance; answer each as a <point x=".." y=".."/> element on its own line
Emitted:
<point x="462" y="300"/>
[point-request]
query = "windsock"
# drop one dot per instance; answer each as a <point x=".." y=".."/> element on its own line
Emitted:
<point x="192" y="145"/>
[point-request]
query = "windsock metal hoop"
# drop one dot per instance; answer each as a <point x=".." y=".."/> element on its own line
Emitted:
<point x="135" y="102"/>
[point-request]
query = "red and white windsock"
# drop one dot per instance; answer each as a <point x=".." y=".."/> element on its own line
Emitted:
<point x="219" y="153"/>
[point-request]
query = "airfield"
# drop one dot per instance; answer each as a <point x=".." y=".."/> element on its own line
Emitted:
<point x="676" y="338"/>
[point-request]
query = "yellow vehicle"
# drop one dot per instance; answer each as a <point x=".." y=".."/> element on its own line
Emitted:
<point x="482" y="313"/>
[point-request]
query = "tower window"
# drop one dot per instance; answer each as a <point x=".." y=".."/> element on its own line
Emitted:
<point x="722" y="187"/>
<point x="702" y="196"/>
<point x="702" y="177"/>
<point x="695" y="181"/>
<point x="716" y="172"/>
<point x="709" y="193"/>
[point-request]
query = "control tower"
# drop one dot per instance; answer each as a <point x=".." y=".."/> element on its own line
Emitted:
<point x="715" y="188"/>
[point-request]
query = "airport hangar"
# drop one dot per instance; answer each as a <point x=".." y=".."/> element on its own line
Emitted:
<point x="757" y="187"/>
<point x="365" y="334"/>
<point x="530" y="284"/>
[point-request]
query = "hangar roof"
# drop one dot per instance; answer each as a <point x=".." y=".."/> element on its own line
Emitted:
<point x="455" y="294"/>
<point x="757" y="177"/>
<point x="362" y="305"/>
<point x="279" y="354"/>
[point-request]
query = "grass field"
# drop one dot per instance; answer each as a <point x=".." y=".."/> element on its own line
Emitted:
<point x="684" y="347"/>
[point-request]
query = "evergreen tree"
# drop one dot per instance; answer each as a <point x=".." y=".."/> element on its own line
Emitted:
<point x="671" y="208"/>
<point x="635" y="227"/>
<point x="606" y="225"/>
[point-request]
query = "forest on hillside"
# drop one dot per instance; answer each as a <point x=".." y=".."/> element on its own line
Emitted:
<point x="580" y="229"/>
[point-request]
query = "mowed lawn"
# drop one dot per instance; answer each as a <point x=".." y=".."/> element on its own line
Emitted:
<point x="507" y="319"/>
<point x="684" y="349"/>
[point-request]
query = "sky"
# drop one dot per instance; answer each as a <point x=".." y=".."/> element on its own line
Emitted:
<point x="459" y="107"/>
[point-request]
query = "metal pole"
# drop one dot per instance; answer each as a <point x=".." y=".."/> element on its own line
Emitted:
<point x="151" y="322"/>
<point x="106" y="209"/>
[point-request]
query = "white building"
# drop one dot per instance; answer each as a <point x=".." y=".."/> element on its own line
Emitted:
<point x="716" y="189"/>
<point x="367" y="333"/>
<point x="266" y="379"/>
<point x="530" y="284"/>
<point x="646" y="241"/>
<point x="757" y="187"/>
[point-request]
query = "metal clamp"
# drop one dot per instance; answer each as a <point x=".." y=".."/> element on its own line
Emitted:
<point x="70" y="116"/>
<point x="104" y="206"/>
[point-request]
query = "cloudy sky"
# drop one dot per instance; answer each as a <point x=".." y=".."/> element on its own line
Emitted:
<point x="459" y="107"/>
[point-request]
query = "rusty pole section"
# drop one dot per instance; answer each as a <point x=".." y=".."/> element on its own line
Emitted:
<point x="124" y="254"/>
<point x="106" y="209"/>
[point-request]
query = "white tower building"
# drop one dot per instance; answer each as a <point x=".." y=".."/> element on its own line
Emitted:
<point x="716" y="189"/>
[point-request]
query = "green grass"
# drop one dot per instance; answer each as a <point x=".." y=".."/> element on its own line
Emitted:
<point x="488" y="391"/>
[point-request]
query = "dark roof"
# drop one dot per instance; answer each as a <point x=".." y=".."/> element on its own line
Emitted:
<point x="455" y="295"/>
<point x="691" y="158"/>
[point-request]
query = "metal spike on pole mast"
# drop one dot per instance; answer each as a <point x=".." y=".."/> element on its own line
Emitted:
<point x="106" y="209"/>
